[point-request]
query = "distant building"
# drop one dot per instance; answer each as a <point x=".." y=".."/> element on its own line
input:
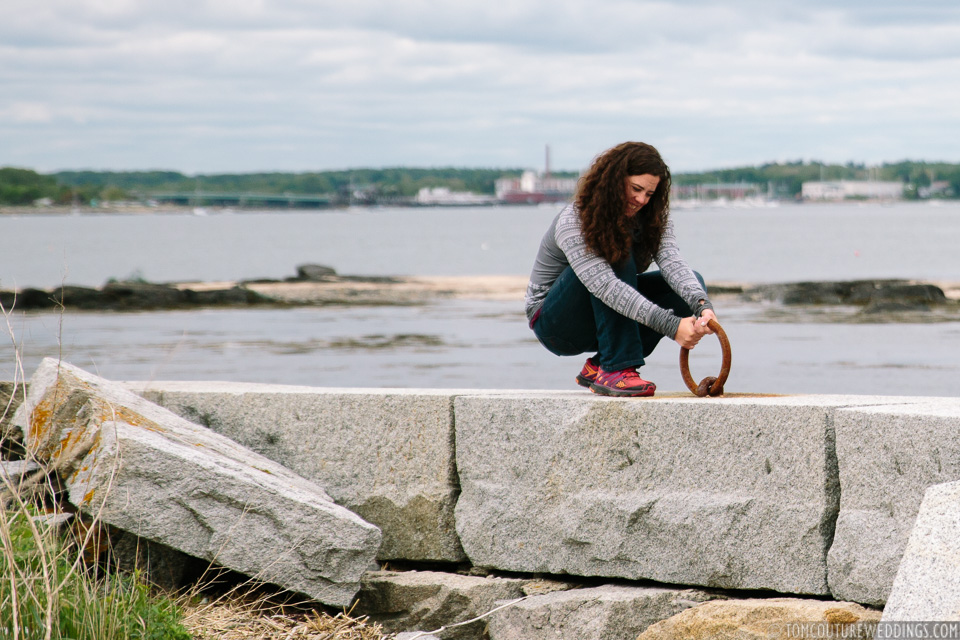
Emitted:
<point x="443" y="196"/>
<point x="531" y="188"/>
<point x="852" y="189"/>
<point x="717" y="190"/>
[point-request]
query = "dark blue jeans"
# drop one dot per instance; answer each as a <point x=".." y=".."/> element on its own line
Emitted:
<point x="573" y="321"/>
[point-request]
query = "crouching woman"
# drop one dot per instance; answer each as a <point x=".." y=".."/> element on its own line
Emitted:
<point x="590" y="291"/>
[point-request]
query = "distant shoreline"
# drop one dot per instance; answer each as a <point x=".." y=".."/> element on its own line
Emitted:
<point x="679" y="205"/>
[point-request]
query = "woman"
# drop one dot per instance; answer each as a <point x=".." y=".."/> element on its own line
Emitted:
<point x="588" y="290"/>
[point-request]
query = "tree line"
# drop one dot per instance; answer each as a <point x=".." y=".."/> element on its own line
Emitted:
<point x="24" y="186"/>
<point x="786" y="179"/>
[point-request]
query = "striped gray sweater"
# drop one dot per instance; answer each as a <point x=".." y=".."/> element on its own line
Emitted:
<point x="563" y="244"/>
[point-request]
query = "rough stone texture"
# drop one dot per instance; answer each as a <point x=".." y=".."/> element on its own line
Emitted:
<point x="12" y="472"/>
<point x="11" y="395"/>
<point x="412" y="600"/>
<point x="926" y="587"/>
<point x="142" y="469"/>
<point x="758" y="619"/>
<point x="605" y="613"/>
<point x="888" y="456"/>
<point x="731" y="492"/>
<point x="387" y="455"/>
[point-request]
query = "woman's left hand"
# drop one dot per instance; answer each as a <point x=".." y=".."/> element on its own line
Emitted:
<point x="700" y="324"/>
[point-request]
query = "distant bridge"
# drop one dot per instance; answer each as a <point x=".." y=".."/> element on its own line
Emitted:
<point x="271" y="200"/>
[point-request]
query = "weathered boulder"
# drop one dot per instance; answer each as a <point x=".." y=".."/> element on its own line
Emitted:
<point x="888" y="456"/>
<point x="138" y="467"/>
<point x="386" y="454"/>
<point x="411" y="600"/>
<point x="29" y="298"/>
<point x="762" y="619"/>
<point x="608" y="612"/>
<point x="732" y="492"/>
<point x="316" y="272"/>
<point x="857" y="292"/>
<point x="927" y="587"/>
<point x="132" y="296"/>
<point x="11" y="395"/>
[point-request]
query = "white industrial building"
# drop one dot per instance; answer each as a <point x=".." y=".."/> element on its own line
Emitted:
<point x="855" y="189"/>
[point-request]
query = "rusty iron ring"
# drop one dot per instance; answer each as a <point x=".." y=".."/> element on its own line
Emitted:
<point x="708" y="386"/>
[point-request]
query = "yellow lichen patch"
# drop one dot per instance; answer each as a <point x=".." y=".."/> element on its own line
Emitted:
<point x="41" y="417"/>
<point x="840" y="616"/>
<point x="89" y="496"/>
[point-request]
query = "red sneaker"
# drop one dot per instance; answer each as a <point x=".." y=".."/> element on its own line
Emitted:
<point x="626" y="382"/>
<point x="588" y="375"/>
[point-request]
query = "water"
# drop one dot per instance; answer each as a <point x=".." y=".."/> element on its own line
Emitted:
<point x="791" y="242"/>
<point x="472" y="344"/>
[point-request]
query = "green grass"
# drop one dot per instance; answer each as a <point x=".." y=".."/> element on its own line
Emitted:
<point x="48" y="592"/>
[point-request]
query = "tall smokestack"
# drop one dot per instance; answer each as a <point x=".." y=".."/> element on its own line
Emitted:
<point x="546" y="174"/>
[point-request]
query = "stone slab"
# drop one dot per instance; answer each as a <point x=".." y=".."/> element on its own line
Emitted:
<point x="404" y="601"/>
<point x="927" y="587"/>
<point x="140" y="468"/>
<point x="736" y="493"/>
<point x="386" y="454"/>
<point x="888" y="456"/>
<point x="766" y="618"/>
<point x="608" y="612"/>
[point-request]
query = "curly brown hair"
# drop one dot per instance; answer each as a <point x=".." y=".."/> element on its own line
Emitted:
<point x="601" y="203"/>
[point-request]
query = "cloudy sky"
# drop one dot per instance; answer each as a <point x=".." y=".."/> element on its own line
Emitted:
<point x="205" y="86"/>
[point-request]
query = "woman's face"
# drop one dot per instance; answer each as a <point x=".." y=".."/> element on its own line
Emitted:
<point x="639" y="191"/>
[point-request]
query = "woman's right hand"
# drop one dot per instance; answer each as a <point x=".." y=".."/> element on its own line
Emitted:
<point x="688" y="334"/>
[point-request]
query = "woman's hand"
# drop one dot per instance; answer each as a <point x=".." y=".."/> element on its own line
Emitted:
<point x="692" y="329"/>
<point x="704" y="318"/>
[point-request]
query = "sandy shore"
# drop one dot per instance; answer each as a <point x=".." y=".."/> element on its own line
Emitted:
<point x="414" y="289"/>
<point x="393" y="290"/>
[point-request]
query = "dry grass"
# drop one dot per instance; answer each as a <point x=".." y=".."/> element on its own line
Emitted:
<point x="238" y="620"/>
<point x="50" y="589"/>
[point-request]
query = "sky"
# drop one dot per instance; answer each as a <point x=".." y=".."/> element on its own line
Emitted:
<point x="237" y="86"/>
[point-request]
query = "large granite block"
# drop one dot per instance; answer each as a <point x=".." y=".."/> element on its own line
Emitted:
<point x="608" y="612"/>
<point x="140" y="468"/>
<point x="386" y="454"/>
<point x="768" y="619"/>
<point x="736" y="493"/>
<point x="412" y="600"/>
<point x="888" y="456"/>
<point x="927" y="586"/>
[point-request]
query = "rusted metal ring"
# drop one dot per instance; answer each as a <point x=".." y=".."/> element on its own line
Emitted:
<point x="709" y="385"/>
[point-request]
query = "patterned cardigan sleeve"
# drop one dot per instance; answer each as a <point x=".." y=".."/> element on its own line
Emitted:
<point x="600" y="280"/>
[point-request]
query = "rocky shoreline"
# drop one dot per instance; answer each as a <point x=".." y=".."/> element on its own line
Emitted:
<point x="516" y="516"/>
<point x="315" y="285"/>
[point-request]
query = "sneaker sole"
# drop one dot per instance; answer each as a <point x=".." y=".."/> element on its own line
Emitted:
<point x="607" y="391"/>
<point x="584" y="382"/>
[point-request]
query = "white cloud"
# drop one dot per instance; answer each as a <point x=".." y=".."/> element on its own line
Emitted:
<point x="229" y="85"/>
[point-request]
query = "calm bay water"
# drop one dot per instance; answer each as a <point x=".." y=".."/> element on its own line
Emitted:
<point x="471" y="344"/>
